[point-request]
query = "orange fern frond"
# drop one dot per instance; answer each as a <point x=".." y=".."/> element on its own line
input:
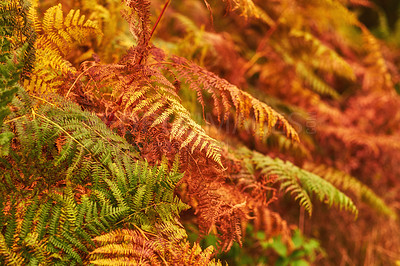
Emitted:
<point x="225" y="96"/>
<point x="377" y="77"/>
<point x="137" y="247"/>
<point x="250" y="10"/>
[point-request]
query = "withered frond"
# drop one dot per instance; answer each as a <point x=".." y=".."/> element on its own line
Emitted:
<point x="133" y="247"/>
<point x="225" y="96"/>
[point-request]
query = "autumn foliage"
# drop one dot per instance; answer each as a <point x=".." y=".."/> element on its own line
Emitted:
<point x="199" y="132"/>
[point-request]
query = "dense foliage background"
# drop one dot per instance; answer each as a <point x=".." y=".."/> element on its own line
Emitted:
<point x="200" y="132"/>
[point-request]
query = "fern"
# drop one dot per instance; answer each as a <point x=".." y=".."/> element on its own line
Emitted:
<point x="132" y="247"/>
<point x="302" y="184"/>
<point x="16" y="31"/>
<point x="143" y="91"/>
<point x="57" y="37"/>
<point x="349" y="183"/>
<point x="16" y="58"/>
<point x="10" y="74"/>
<point x="379" y="76"/>
<point x="67" y="220"/>
<point x="328" y="60"/>
<point x="72" y="223"/>
<point x="250" y="10"/>
<point x="81" y="183"/>
<point x="225" y="94"/>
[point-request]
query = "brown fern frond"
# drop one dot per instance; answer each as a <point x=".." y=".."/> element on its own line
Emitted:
<point x="144" y="93"/>
<point x="354" y="138"/>
<point x="137" y="247"/>
<point x="366" y="112"/>
<point x="125" y="246"/>
<point x="138" y="18"/>
<point x="226" y="95"/>
<point x="271" y="223"/>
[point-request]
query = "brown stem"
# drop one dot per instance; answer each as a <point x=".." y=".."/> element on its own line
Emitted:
<point x="156" y="24"/>
<point x="159" y="18"/>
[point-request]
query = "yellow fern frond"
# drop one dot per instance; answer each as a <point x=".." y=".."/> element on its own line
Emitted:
<point x="323" y="57"/>
<point x="49" y="58"/>
<point x="66" y="32"/>
<point x="378" y="76"/>
<point x="57" y="36"/>
<point x="315" y="82"/>
<point x="251" y="10"/>
<point x="300" y="56"/>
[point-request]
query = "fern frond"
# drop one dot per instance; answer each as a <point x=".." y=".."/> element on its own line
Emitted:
<point x="349" y="183"/>
<point x="8" y="87"/>
<point x="17" y="56"/>
<point x="378" y="77"/>
<point x="16" y="31"/>
<point x="302" y="184"/>
<point x="315" y="82"/>
<point x="328" y="60"/>
<point x="57" y="36"/>
<point x="63" y="33"/>
<point x="10" y="257"/>
<point x="66" y="225"/>
<point x="250" y="10"/>
<point x="225" y="94"/>
<point x="129" y="247"/>
<point x="158" y="101"/>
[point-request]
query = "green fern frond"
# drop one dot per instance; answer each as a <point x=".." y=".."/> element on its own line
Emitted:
<point x="16" y="59"/>
<point x="65" y="225"/>
<point x="349" y="183"/>
<point x="16" y="31"/>
<point x="8" y="256"/>
<point x="302" y="184"/>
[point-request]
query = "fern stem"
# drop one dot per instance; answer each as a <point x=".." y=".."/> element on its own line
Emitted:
<point x="155" y="26"/>
<point x="43" y="100"/>
<point x="76" y="80"/>
<point x="159" y="18"/>
<point x="61" y="128"/>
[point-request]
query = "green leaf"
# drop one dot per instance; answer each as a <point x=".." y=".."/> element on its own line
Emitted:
<point x="5" y="139"/>
<point x="279" y="247"/>
<point x="311" y="245"/>
<point x="297" y="239"/>
<point x="299" y="263"/>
